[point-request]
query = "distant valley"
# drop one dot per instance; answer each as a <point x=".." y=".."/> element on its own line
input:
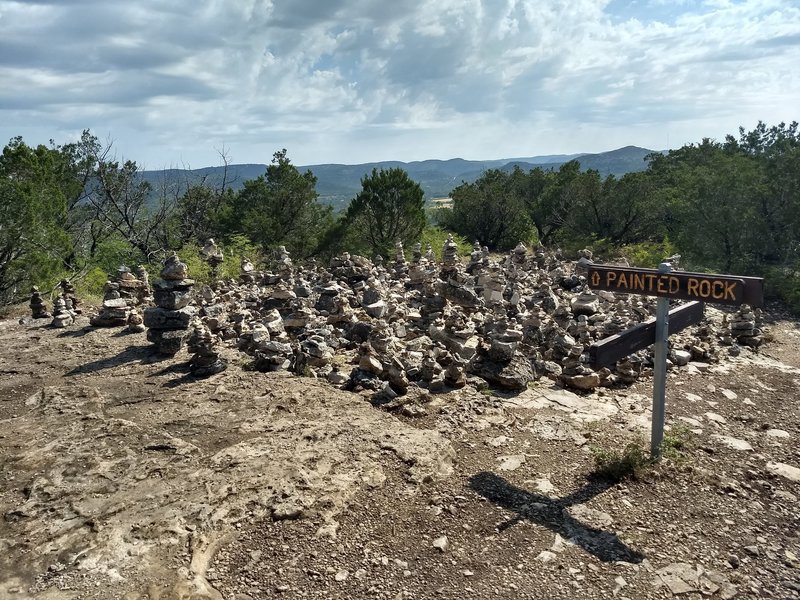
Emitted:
<point x="337" y="184"/>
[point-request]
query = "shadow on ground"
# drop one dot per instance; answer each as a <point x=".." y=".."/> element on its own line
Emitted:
<point x="130" y="354"/>
<point x="551" y="513"/>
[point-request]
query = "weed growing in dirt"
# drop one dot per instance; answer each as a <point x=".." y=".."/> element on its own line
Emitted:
<point x="675" y="442"/>
<point x="619" y="466"/>
<point x="634" y="460"/>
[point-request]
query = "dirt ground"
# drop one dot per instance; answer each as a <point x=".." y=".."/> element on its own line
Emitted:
<point x="123" y="477"/>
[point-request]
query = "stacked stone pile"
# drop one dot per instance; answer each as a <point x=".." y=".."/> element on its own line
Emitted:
<point x="63" y="316"/>
<point x="167" y="323"/>
<point x="436" y="326"/>
<point x="37" y="305"/>
<point x="71" y="301"/>
<point x="120" y="296"/>
<point x="213" y="256"/>
<point x="143" y="276"/>
<point x="135" y="322"/>
<point x="205" y="360"/>
<point x="115" y="309"/>
<point x="745" y="327"/>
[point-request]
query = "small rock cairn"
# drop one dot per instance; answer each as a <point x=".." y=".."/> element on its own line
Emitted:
<point x="744" y="327"/>
<point x="212" y="255"/>
<point x="247" y="273"/>
<point x="205" y="360"/>
<point x="37" y="304"/>
<point x="168" y="322"/>
<point x="62" y="315"/>
<point x="70" y="299"/>
<point x="114" y="311"/>
<point x="120" y="296"/>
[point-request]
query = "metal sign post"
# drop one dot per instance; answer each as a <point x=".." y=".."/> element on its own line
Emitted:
<point x="664" y="283"/>
<point x="661" y="348"/>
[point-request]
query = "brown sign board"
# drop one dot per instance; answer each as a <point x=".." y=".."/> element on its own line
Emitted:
<point x="702" y="287"/>
<point x="609" y="350"/>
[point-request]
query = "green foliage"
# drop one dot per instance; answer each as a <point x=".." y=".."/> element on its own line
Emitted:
<point x="633" y="461"/>
<point x="389" y="207"/>
<point x="675" y="442"/>
<point x="196" y="211"/>
<point x="491" y="210"/>
<point x="436" y="237"/>
<point x="91" y="284"/>
<point x="619" y="466"/>
<point x="783" y="283"/>
<point x="648" y="254"/>
<point x="33" y="210"/>
<point x="278" y="208"/>
<point x="233" y="250"/>
<point x="197" y="268"/>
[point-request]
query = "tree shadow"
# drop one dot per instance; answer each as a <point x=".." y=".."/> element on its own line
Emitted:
<point x="142" y="354"/>
<point x="551" y="513"/>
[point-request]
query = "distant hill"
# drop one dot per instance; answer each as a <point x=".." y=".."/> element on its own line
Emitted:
<point x="337" y="184"/>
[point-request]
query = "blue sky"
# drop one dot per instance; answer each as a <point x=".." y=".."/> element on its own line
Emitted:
<point x="352" y="81"/>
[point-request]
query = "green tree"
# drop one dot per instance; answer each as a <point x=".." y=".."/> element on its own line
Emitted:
<point x="277" y="208"/>
<point x="620" y="210"/>
<point x="551" y="205"/>
<point x="776" y="152"/>
<point x="33" y="213"/>
<point x="491" y="210"/>
<point x="712" y="194"/>
<point x="389" y="207"/>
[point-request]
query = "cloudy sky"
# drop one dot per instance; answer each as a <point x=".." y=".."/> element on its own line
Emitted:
<point x="172" y="83"/>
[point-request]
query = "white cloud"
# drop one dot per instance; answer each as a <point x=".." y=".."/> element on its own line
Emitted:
<point x="355" y="80"/>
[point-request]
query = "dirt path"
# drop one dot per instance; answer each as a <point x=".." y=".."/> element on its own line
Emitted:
<point x="122" y="477"/>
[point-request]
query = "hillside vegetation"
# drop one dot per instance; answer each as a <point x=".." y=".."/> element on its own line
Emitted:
<point x="733" y="206"/>
<point x="337" y="184"/>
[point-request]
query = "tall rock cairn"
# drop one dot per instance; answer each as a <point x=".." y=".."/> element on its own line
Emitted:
<point x="168" y="322"/>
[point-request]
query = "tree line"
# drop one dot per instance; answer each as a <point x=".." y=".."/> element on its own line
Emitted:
<point x="730" y="206"/>
<point x="76" y="211"/>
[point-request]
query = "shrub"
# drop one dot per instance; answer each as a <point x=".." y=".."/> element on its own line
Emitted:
<point x="619" y="466"/>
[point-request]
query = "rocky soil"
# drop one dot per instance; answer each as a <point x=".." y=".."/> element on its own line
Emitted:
<point x="122" y="476"/>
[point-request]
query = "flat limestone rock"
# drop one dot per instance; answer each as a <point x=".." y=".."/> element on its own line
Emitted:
<point x="309" y="461"/>
<point x="733" y="443"/>
<point x="783" y="470"/>
<point x="511" y="463"/>
<point x="161" y="318"/>
<point x="579" y="408"/>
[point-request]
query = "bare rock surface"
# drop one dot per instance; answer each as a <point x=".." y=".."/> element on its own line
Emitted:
<point x="123" y="476"/>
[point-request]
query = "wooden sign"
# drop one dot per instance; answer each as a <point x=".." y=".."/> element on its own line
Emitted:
<point x="666" y="284"/>
<point x="607" y="351"/>
<point x="721" y="289"/>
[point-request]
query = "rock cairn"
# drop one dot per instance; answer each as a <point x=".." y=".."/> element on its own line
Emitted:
<point x="247" y="274"/>
<point x="62" y="315"/>
<point x="120" y="295"/>
<point x="71" y="301"/>
<point x="168" y="322"/>
<point x="135" y="322"/>
<point x="115" y="309"/>
<point x="425" y="324"/>
<point x="201" y="343"/>
<point x="37" y="305"/>
<point x="745" y="328"/>
<point x="143" y="276"/>
<point x="213" y="256"/>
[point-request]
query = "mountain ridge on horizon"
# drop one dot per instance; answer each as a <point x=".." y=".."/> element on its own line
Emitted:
<point x="338" y="183"/>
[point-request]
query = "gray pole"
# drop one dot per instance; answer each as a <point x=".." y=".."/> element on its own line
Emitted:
<point x="661" y="348"/>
